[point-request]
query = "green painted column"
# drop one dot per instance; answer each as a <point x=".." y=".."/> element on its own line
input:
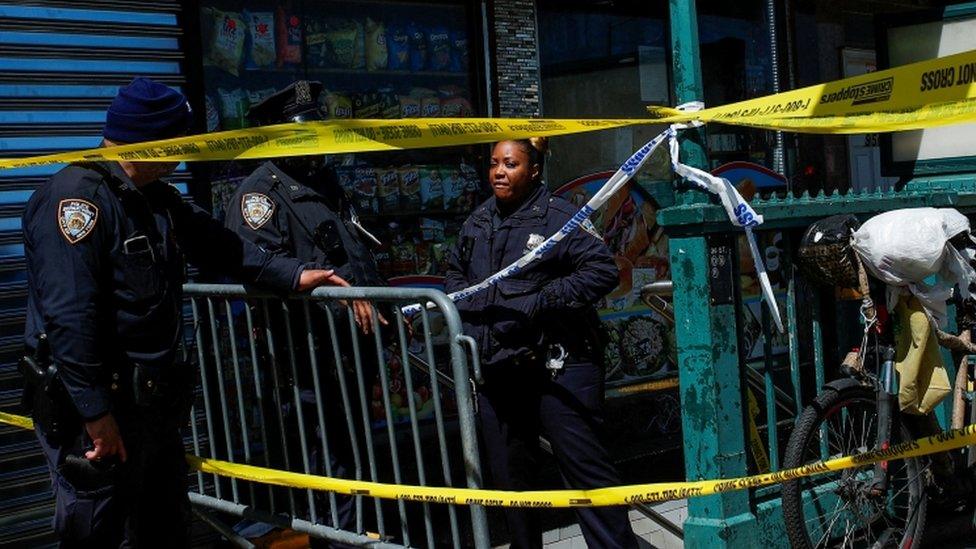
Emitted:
<point x="705" y="277"/>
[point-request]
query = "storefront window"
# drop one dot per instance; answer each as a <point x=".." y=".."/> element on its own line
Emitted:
<point x="376" y="59"/>
<point x="603" y="60"/>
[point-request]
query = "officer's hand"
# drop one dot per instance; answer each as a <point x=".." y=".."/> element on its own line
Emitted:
<point x="363" y="313"/>
<point x="104" y="433"/>
<point x="313" y="278"/>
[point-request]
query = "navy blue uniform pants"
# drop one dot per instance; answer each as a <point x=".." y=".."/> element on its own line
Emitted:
<point x="139" y="503"/>
<point x="517" y="404"/>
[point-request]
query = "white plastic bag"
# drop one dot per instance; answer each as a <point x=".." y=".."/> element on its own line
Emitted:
<point x="904" y="247"/>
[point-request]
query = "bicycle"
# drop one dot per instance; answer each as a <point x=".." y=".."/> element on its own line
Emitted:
<point x="884" y="505"/>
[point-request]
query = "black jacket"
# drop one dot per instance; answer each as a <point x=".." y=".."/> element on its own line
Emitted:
<point x="551" y="301"/>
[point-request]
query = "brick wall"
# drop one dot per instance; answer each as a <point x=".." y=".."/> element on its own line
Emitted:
<point x="516" y="58"/>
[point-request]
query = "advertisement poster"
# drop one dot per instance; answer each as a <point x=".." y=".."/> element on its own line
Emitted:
<point x="640" y="343"/>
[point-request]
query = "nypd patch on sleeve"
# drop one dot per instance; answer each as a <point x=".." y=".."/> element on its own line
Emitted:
<point x="76" y="219"/>
<point x="257" y="209"/>
<point x="588" y="226"/>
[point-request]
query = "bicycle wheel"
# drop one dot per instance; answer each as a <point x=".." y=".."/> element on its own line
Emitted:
<point x="835" y="509"/>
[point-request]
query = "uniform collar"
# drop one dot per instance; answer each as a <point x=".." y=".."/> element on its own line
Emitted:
<point x="295" y="189"/>
<point x="118" y="173"/>
<point x="535" y="205"/>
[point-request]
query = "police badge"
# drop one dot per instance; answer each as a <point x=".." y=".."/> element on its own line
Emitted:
<point x="534" y="241"/>
<point x="256" y="209"/>
<point x="76" y="218"/>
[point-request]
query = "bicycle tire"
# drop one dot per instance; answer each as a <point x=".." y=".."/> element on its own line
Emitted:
<point x="828" y="406"/>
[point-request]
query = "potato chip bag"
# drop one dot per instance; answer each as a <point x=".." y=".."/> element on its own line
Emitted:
<point x="459" y="50"/>
<point x="376" y="49"/>
<point x="227" y="46"/>
<point x="410" y="188"/>
<point x="366" y="105"/>
<point x="233" y="108"/>
<point x="364" y="190"/>
<point x="418" y="47"/>
<point x="289" y="37"/>
<point x="398" y="47"/>
<point x="438" y="49"/>
<point x="261" y="39"/>
<point x="409" y="106"/>
<point x="388" y="192"/>
<point x="431" y="188"/>
<point x="336" y="105"/>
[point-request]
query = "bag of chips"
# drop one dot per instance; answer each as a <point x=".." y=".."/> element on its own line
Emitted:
<point x="430" y="106"/>
<point x="439" y="49"/>
<point x="289" y="36"/>
<point x="315" y="47"/>
<point x="335" y="105"/>
<point x="376" y="50"/>
<point x="459" y="50"/>
<point x="409" y="106"/>
<point x="389" y="105"/>
<point x="346" y="177"/>
<point x="410" y="188"/>
<point x="431" y="230"/>
<point x="389" y="189"/>
<point x="364" y="194"/>
<point x="454" y="186"/>
<point x="398" y="48"/>
<point x="418" y="47"/>
<point x="227" y="44"/>
<point x="233" y="108"/>
<point x="213" y="115"/>
<point x="261" y="39"/>
<point x="431" y="188"/>
<point x="366" y="105"/>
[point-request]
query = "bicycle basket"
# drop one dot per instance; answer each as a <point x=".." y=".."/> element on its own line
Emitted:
<point x="826" y="256"/>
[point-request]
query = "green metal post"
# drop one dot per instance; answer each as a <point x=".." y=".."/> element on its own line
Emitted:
<point x="704" y="274"/>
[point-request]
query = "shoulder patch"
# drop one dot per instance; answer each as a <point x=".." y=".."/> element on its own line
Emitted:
<point x="588" y="226"/>
<point x="76" y="218"/>
<point x="257" y="209"/>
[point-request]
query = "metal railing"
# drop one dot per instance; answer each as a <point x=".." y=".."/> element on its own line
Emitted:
<point x="290" y="383"/>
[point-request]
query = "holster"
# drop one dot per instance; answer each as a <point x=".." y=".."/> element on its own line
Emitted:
<point x="165" y="393"/>
<point x="45" y="396"/>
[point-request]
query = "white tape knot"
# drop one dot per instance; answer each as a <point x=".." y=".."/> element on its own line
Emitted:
<point x="691" y="106"/>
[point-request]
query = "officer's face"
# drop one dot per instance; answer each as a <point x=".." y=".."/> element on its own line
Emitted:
<point x="511" y="174"/>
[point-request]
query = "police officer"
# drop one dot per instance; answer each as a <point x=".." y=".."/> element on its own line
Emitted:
<point x="294" y="207"/>
<point x="105" y="246"/>
<point x="538" y="334"/>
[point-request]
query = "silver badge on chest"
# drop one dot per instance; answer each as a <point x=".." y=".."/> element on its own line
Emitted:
<point x="534" y="241"/>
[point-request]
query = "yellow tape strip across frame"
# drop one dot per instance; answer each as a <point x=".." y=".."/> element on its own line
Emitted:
<point x="930" y="93"/>
<point x="619" y="495"/>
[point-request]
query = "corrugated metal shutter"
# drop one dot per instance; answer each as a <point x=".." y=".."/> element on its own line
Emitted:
<point x="60" y="65"/>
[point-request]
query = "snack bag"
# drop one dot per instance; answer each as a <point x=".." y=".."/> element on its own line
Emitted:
<point x="389" y="105"/>
<point x="455" y="106"/>
<point x="459" y="50"/>
<point x="260" y="32"/>
<point x="410" y="188"/>
<point x="366" y="105"/>
<point x="409" y="106"/>
<point x="289" y="35"/>
<point x="424" y="259"/>
<point x="227" y="47"/>
<point x="364" y="185"/>
<point x="336" y="105"/>
<point x="398" y="48"/>
<point x="404" y="257"/>
<point x="418" y="47"/>
<point x="438" y="49"/>
<point x="454" y="186"/>
<point x="346" y="177"/>
<point x="430" y="106"/>
<point x="431" y="189"/>
<point x="315" y="42"/>
<point x="213" y="114"/>
<point x="377" y="55"/>
<point x="431" y="230"/>
<point x="233" y="108"/>
<point x="388" y="192"/>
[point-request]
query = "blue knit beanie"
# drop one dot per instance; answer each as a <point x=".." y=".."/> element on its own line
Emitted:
<point x="146" y="111"/>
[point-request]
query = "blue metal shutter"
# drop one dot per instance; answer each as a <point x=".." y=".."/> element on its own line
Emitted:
<point x="60" y="65"/>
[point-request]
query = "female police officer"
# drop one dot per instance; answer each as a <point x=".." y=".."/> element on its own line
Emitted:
<point x="538" y="335"/>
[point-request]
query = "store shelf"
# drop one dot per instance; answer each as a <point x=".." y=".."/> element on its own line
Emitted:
<point x="345" y="72"/>
<point x="415" y="213"/>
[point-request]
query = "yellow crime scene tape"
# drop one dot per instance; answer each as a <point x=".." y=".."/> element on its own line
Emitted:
<point x="618" y="495"/>
<point x="929" y="93"/>
<point x="926" y="94"/>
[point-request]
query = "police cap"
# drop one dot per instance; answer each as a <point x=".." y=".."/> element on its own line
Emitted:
<point x="296" y="103"/>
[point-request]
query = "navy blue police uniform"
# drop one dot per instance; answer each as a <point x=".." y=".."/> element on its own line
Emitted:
<point x="106" y="264"/>
<point x="546" y="311"/>
<point x="295" y="207"/>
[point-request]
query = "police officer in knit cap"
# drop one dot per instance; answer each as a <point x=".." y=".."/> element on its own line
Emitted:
<point x="294" y="207"/>
<point x="105" y="245"/>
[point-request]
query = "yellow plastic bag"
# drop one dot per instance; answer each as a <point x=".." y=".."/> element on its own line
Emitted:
<point x="923" y="377"/>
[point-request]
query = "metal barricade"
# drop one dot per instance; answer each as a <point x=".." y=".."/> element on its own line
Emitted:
<point x="288" y="382"/>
